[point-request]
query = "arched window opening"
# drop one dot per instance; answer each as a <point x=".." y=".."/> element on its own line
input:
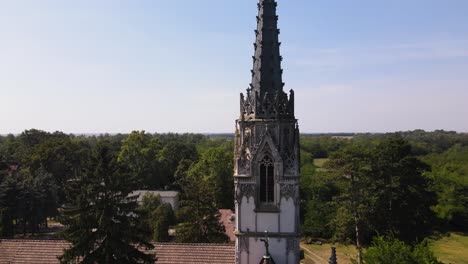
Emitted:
<point x="267" y="183"/>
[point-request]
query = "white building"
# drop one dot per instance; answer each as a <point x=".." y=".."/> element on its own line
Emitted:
<point x="169" y="197"/>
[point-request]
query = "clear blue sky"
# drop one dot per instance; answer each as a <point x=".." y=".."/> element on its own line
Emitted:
<point x="179" y="66"/>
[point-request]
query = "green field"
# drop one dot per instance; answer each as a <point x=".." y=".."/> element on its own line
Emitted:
<point x="450" y="249"/>
<point x="318" y="254"/>
<point x="319" y="162"/>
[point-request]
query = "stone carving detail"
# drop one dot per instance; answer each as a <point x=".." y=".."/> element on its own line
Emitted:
<point x="244" y="244"/>
<point x="243" y="160"/>
<point x="268" y="106"/>
<point x="292" y="245"/>
<point x="290" y="162"/>
<point x="290" y="191"/>
<point x="245" y="190"/>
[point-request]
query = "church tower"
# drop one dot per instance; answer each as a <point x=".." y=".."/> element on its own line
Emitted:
<point x="266" y="166"/>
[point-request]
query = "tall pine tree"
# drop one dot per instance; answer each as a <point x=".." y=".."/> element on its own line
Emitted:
<point x="101" y="220"/>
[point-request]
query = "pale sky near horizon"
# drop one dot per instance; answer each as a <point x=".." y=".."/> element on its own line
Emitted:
<point x="178" y="66"/>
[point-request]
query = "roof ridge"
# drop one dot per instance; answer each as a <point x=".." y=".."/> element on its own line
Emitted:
<point x="31" y="240"/>
<point x="193" y="244"/>
<point x="156" y="243"/>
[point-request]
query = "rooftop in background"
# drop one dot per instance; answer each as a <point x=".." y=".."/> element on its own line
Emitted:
<point x="46" y="252"/>
<point x="229" y="221"/>
<point x="170" y="197"/>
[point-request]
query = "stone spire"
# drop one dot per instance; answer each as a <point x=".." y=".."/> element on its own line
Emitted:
<point x="265" y="98"/>
<point x="267" y="72"/>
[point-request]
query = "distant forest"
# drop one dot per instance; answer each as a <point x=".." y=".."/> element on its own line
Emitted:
<point x="408" y="184"/>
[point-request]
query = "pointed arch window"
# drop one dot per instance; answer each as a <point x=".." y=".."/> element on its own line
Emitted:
<point x="267" y="184"/>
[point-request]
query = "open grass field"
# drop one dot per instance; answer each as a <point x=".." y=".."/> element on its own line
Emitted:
<point x="316" y="254"/>
<point x="452" y="249"/>
<point x="319" y="162"/>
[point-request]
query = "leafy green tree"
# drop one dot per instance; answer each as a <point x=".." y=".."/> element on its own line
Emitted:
<point x="216" y="166"/>
<point x="139" y="154"/>
<point x="352" y="167"/>
<point x="8" y="147"/>
<point x="403" y="196"/>
<point x="61" y="156"/>
<point x="199" y="215"/>
<point x="389" y="250"/>
<point x="318" y="209"/>
<point x="380" y="189"/>
<point x="162" y="218"/>
<point x="449" y="177"/>
<point x="170" y="157"/>
<point x="101" y="218"/>
<point x="9" y="189"/>
<point x="423" y="253"/>
<point x="150" y="202"/>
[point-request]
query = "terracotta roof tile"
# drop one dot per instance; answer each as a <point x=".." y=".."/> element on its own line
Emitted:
<point x="171" y="253"/>
<point x="229" y="225"/>
<point x="31" y="251"/>
<point x="15" y="251"/>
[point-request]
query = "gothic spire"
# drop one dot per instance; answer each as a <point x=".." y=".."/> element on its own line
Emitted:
<point x="265" y="98"/>
<point x="266" y="73"/>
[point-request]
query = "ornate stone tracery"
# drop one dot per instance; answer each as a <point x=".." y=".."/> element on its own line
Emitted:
<point x="290" y="191"/>
<point x="270" y="106"/>
<point x="244" y="244"/>
<point x="245" y="190"/>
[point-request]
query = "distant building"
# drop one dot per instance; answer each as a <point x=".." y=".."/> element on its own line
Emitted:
<point x="169" y="197"/>
<point x="266" y="167"/>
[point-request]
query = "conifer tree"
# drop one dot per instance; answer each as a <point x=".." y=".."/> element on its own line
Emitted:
<point x="101" y="220"/>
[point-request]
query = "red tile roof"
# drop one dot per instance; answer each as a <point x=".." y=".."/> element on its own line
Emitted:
<point x="15" y="251"/>
<point x="229" y="225"/>
<point x="31" y="251"/>
<point x="171" y="253"/>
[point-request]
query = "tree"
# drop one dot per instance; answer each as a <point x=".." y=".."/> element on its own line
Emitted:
<point x="216" y="166"/>
<point x="318" y="209"/>
<point x="404" y="200"/>
<point x="170" y="157"/>
<point x="8" y="205"/>
<point x="162" y="218"/>
<point x="101" y="218"/>
<point x="352" y="165"/>
<point x="389" y="250"/>
<point x="59" y="155"/>
<point x="449" y="179"/>
<point x="139" y="154"/>
<point x="199" y="215"/>
<point x="423" y="253"/>
<point x="381" y="190"/>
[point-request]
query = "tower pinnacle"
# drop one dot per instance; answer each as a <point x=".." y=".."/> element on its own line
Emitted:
<point x="267" y="73"/>
<point x="265" y="98"/>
